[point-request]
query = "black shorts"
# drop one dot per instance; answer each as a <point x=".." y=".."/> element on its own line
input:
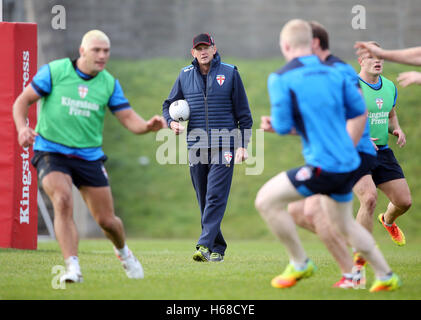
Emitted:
<point x="309" y="180"/>
<point x="82" y="172"/>
<point x="387" y="168"/>
<point x="368" y="163"/>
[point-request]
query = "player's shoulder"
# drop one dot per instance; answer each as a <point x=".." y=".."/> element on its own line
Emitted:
<point x="60" y="62"/>
<point x="59" y="69"/>
<point x="290" y="66"/>
<point x="387" y="82"/>
<point x="342" y="66"/>
<point x="228" y="66"/>
<point x="188" y="68"/>
<point x="332" y="59"/>
<point x="108" y="75"/>
<point x="44" y="70"/>
<point x="337" y="63"/>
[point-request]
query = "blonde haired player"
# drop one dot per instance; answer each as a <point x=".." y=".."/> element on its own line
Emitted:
<point x="67" y="144"/>
<point x="318" y="103"/>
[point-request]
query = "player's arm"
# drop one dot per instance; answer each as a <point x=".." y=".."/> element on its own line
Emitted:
<point x="40" y="87"/>
<point x="395" y="129"/>
<point x="26" y="135"/>
<point x="410" y="77"/>
<point x="266" y="124"/>
<point x="281" y="119"/>
<point x="120" y="107"/>
<point x="355" y="110"/>
<point x="355" y="127"/>
<point x="136" y="124"/>
<point x="410" y="56"/>
<point x="242" y="112"/>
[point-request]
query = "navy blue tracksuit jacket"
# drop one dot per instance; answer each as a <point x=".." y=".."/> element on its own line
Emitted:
<point x="217" y="101"/>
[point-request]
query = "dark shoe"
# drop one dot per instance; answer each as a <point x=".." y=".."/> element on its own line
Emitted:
<point x="216" y="257"/>
<point x="202" y="254"/>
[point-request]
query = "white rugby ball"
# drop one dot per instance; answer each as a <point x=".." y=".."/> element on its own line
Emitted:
<point x="180" y="110"/>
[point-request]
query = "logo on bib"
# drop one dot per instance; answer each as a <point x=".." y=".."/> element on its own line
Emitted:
<point x="379" y="102"/>
<point x="83" y="91"/>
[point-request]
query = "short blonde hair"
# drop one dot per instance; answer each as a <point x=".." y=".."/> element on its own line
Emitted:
<point x="297" y="33"/>
<point x="94" y="34"/>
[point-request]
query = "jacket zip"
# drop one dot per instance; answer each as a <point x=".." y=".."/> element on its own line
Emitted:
<point x="205" y="94"/>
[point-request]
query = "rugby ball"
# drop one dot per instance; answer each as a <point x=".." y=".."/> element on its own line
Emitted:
<point x="180" y="110"/>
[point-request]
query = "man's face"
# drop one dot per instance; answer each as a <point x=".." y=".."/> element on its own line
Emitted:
<point x="203" y="53"/>
<point x="372" y="65"/>
<point x="96" y="55"/>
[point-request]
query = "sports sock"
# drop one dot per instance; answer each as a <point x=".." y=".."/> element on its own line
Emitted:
<point x="300" y="266"/>
<point x="72" y="263"/>
<point x="386" y="224"/>
<point x="123" y="252"/>
<point x="348" y="276"/>
<point x="386" y="277"/>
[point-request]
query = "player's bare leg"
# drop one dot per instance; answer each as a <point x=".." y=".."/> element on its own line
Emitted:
<point x="333" y="241"/>
<point x="400" y="201"/>
<point x="271" y="201"/>
<point x="296" y="210"/>
<point x="100" y="203"/>
<point x="308" y="214"/>
<point x="366" y="191"/>
<point x="58" y="187"/>
<point x="340" y="214"/>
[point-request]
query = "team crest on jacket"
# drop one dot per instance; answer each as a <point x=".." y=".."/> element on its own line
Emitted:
<point x="379" y="102"/>
<point x="220" y="78"/>
<point x="303" y="174"/>
<point x="228" y="156"/>
<point x="83" y="91"/>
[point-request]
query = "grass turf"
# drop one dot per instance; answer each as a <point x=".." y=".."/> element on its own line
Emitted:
<point x="171" y="274"/>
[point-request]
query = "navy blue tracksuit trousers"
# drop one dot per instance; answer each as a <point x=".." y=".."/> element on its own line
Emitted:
<point x="211" y="172"/>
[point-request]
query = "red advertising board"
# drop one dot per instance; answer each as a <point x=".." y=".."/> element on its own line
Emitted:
<point x="18" y="178"/>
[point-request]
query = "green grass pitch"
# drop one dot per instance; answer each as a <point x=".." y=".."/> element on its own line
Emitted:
<point x="171" y="274"/>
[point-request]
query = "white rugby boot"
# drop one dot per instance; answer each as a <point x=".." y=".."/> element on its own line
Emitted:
<point x="73" y="273"/>
<point x="131" y="265"/>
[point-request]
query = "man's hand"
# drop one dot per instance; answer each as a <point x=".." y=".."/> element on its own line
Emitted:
<point x="366" y="49"/>
<point x="375" y="146"/>
<point x="241" y="155"/>
<point x="407" y="78"/>
<point x="176" y="127"/>
<point x="401" y="137"/>
<point x="266" y="124"/>
<point x="156" y="123"/>
<point x="26" y="136"/>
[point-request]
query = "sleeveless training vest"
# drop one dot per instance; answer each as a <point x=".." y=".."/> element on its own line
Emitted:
<point x="379" y="104"/>
<point x="73" y="113"/>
